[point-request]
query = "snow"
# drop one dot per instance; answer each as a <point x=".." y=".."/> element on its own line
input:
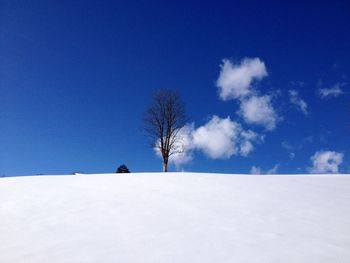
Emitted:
<point x="175" y="217"/>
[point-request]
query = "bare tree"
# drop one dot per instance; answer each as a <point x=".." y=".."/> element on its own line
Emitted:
<point x="163" y="122"/>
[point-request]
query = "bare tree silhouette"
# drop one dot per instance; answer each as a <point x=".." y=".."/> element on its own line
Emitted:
<point x="163" y="122"/>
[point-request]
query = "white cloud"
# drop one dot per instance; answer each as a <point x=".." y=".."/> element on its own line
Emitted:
<point x="246" y="148"/>
<point x="333" y="91"/>
<point x="255" y="170"/>
<point x="222" y="138"/>
<point x="235" y="80"/>
<point x="217" y="138"/>
<point x="246" y="145"/>
<point x="259" y="110"/>
<point x="297" y="101"/>
<point x="274" y="169"/>
<point x="326" y="162"/>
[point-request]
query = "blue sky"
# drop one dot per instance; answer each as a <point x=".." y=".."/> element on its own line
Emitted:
<point x="76" y="77"/>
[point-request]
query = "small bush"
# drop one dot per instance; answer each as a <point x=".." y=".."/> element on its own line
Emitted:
<point x="123" y="169"/>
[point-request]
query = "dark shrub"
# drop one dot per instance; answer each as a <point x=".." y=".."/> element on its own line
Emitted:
<point x="123" y="169"/>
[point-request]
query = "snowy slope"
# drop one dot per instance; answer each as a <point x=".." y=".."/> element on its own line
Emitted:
<point x="175" y="218"/>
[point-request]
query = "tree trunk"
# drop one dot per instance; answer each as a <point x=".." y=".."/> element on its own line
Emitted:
<point x="165" y="167"/>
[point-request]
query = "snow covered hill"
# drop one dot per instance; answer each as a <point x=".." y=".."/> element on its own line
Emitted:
<point x="175" y="217"/>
